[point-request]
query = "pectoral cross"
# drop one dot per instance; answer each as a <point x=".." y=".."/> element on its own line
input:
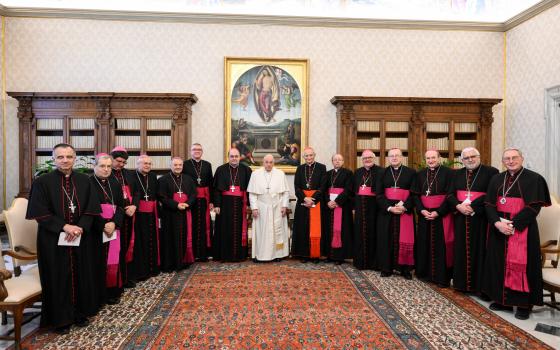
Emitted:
<point x="146" y="196"/>
<point x="307" y="185"/>
<point x="363" y="187"/>
<point x="124" y="195"/>
<point x="198" y="179"/>
<point x="180" y="192"/>
<point x="428" y="192"/>
<point x="232" y="188"/>
<point x="469" y="196"/>
<point x="114" y="208"/>
<point x="72" y="207"/>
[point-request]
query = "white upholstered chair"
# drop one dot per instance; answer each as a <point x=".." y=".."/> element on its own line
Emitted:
<point x="22" y="233"/>
<point x="549" y="230"/>
<point x="18" y="293"/>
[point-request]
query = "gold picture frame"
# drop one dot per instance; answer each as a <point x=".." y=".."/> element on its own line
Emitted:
<point x="266" y="109"/>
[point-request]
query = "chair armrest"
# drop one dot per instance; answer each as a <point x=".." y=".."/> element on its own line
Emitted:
<point x="17" y="248"/>
<point x="549" y="243"/>
<point x="4" y="275"/>
<point x="19" y="256"/>
<point x="550" y="251"/>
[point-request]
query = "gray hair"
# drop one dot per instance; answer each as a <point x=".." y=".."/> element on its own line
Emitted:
<point x="469" y="149"/>
<point x="141" y="158"/>
<point x="512" y="149"/>
<point x="103" y="157"/>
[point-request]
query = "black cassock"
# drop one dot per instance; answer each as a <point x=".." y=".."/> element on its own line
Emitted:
<point x="312" y="176"/>
<point x="146" y="227"/>
<point x="67" y="280"/>
<point x="389" y="224"/>
<point x="109" y="193"/>
<point x="230" y="238"/>
<point x="471" y="232"/>
<point x="341" y="179"/>
<point x="176" y="250"/>
<point x="201" y="225"/>
<point x="434" y="256"/>
<point x="127" y="178"/>
<point x="365" y="217"/>
<point x="533" y="190"/>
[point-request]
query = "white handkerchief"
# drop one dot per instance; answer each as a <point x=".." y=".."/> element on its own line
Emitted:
<point x="63" y="242"/>
<point x="107" y="239"/>
<point x="333" y="196"/>
<point x="467" y="201"/>
<point x="399" y="204"/>
<point x="506" y="221"/>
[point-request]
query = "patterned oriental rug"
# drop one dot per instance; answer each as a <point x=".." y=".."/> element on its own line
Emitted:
<point x="289" y="305"/>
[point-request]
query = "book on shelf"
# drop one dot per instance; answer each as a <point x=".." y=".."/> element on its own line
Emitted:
<point x="158" y="124"/>
<point x="128" y="141"/>
<point x="441" y="144"/>
<point x="372" y="143"/>
<point x="40" y="160"/>
<point x="159" y="142"/>
<point x="368" y="125"/>
<point x="396" y="126"/>
<point x="128" y="123"/>
<point x="396" y="142"/>
<point x="131" y="162"/>
<point x="82" y="141"/>
<point x="462" y="144"/>
<point x="50" y="124"/>
<point x="49" y="141"/>
<point x="437" y="127"/>
<point x="82" y="124"/>
<point x="465" y="127"/>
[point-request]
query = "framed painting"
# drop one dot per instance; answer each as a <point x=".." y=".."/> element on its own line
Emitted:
<point x="266" y="109"/>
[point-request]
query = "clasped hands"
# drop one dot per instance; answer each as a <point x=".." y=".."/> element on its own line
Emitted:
<point x="308" y="202"/>
<point x="505" y="227"/>
<point x="429" y="215"/>
<point x="72" y="232"/>
<point x="182" y="206"/>
<point x="465" y="209"/>
<point x="109" y="229"/>
<point x="130" y="210"/>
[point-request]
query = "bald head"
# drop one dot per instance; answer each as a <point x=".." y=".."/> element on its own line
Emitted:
<point x="309" y="155"/>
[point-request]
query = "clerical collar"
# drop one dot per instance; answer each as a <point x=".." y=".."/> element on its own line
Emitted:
<point x="397" y="168"/>
<point x="434" y="169"/>
<point x="198" y="161"/>
<point x="63" y="174"/>
<point x="177" y="176"/>
<point x="368" y="168"/>
<point x="233" y="166"/>
<point x="515" y="173"/>
<point x="310" y="165"/>
<point x="335" y="169"/>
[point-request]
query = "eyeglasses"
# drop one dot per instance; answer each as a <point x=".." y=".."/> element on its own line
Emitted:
<point x="394" y="156"/>
<point x="509" y="159"/>
<point x="367" y="158"/>
<point x="471" y="157"/>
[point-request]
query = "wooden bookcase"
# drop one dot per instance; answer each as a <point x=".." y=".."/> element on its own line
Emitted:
<point x="414" y="125"/>
<point x="153" y="124"/>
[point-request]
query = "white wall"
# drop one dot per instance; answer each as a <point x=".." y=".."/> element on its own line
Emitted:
<point x="90" y="55"/>
<point x="533" y="65"/>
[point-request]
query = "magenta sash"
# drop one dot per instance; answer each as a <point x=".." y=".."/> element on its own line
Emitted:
<point x="462" y="195"/>
<point x="188" y="257"/>
<point x="204" y="192"/>
<point x="151" y="207"/>
<point x="238" y="193"/>
<point x="337" y="225"/>
<point x="129" y="252"/>
<point x="433" y="202"/>
<point x="406" y="227"/>
<point x="112" y="278"/>
<point x="516" y="259"/>
<point x="365" y="191"/>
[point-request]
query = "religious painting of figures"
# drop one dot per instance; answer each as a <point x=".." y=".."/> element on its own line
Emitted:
<point x="266" y="107"/>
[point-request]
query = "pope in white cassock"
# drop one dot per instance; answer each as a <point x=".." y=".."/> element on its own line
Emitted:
<point x="269" y="196"/>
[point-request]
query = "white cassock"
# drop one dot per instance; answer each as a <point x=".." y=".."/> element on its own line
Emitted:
<point x="269" y="192"/>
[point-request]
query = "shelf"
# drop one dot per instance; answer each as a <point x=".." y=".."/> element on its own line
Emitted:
<point x="158" y="150"/>
<point x="158" y="130"/>
<point x="127" y="130"/>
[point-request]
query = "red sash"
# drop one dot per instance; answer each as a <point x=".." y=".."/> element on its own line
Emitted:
<point x="314" y="227"/>
<point x="462" y="195"/>
<point x="365" y="191"/>
<point x="406" y="227"/>
<point x="151" y="207"/>
<point x="129" y="252"/>
<point x="112" y="277"/>
<point x="516" y="259"/>
<point x="433" y="202"/>
<point x="188" y="257"/>
<point x="204" y="192"/>
<point x="238" y="193"/>
<point x="337" y="224"/>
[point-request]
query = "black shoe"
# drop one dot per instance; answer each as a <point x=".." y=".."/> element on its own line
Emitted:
<point x="407" y="275"/>
<point x="485" y="297"/>
<point x="338" y="262"/>
<point x="113" y="301"/>
<point x="130" y="284"/>
<point x="62" y="330"/>
<point x="522" y="313"/>
<point x="500" y="307"/>
<point x="82" y="322"/>
<point x="386" y="274"/>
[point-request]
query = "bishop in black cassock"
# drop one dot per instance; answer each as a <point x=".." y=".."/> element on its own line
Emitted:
<point x="109" y="261"/>
<point x="307" y="231"/>
<point x="64" y="204"/>
<point x="466" y="199"/>
<point x="147" y="258"/>
<point x="337" y="214"/>
<point x="395" y="219"/>
<point x="230" y="204"/>
<point x="365" y="212"/>
<point x="177" y="194"/>
<point x="200" y="171"/>
<point x="434" y="238"/>
<point x="131" y="197"/>
<point x="513" y="273"/>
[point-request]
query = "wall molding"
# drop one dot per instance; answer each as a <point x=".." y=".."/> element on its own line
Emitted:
<point x="552" y="116"/>
<point x="329" y="22"/>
